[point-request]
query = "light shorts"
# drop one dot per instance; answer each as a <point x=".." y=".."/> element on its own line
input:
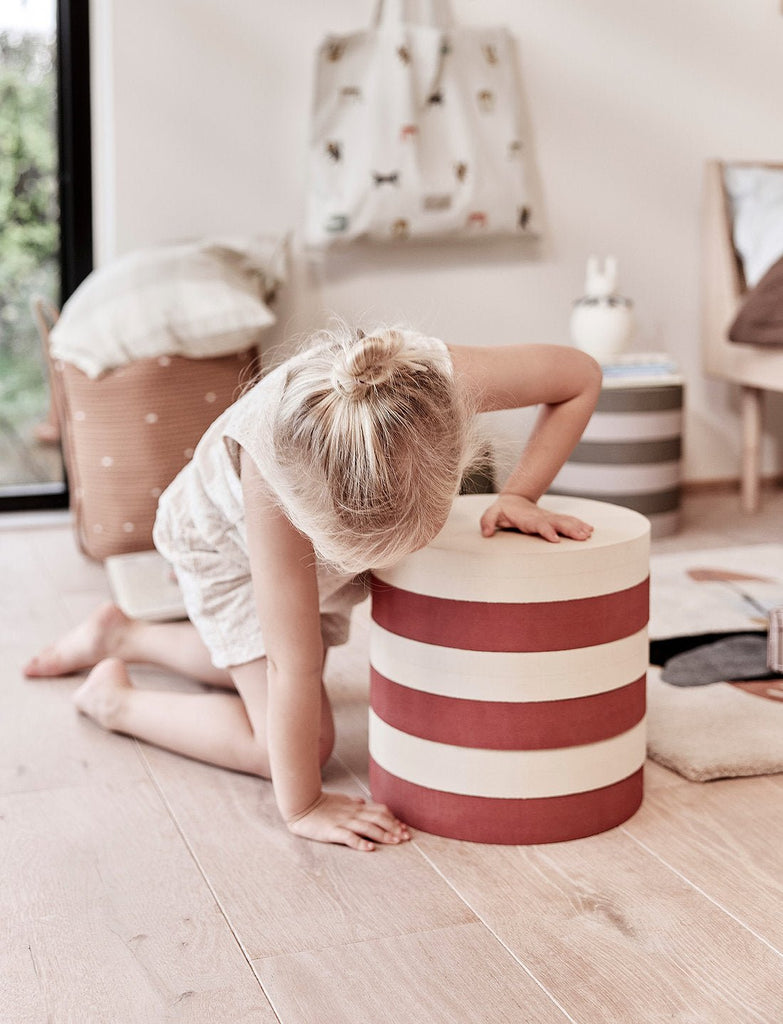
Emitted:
<point x="218" y="594"/>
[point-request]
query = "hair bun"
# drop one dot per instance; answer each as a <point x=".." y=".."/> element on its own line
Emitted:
<point x="370" y="360"/>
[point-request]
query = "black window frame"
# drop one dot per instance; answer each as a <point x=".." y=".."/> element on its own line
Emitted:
<point x="74" y="144"/>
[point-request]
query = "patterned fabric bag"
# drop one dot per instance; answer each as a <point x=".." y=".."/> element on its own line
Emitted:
<point x="417" y="131"/>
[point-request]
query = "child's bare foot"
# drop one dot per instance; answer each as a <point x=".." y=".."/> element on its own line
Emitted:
<point x="102" y="694"/>
<point x="96" y="638"/>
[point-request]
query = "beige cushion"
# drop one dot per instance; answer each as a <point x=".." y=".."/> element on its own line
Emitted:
<point x="128" y="434"/>
<point x="760" y="319"/>
<point x="200" y="300"/>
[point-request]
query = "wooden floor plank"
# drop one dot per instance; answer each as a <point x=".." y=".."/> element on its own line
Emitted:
<point x="283" y="895"/>
<point x="67" y="568"/>
<point x="347" y="679"/>
<point x="657" y="777"/>
<point x="614" y="934"/>
<point x="108" y="919"/>
<point x="90" y="861"/>
<point x="45" y="743"/>
<point x="718" y="836"/>
<point x="458" y="975"/>
<point x="31" y="607"/>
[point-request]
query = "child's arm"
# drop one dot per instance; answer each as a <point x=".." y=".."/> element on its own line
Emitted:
<point x="282" y="565"/>
<point x="566" y="383"/>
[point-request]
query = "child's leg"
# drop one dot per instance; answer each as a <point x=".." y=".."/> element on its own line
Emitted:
<point x="219" y="728"/>
<point x="109" y="633"/>
<point x="251" y="684"/>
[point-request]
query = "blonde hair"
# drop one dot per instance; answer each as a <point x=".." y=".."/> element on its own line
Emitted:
<point x="371" y="439"/>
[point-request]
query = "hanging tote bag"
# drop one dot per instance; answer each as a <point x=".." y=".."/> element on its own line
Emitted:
<point x="417" y="132"/>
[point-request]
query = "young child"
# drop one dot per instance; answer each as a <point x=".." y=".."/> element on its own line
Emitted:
<point x="347" y="456"/>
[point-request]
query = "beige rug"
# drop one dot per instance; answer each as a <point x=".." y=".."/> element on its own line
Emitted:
<point x="723" y="729"/>
<point x="719" y="590"/>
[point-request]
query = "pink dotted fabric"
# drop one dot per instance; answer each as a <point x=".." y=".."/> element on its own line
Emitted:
<point x="129" y="432"/>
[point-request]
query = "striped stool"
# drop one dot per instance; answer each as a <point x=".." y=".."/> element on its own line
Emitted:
<point x="508" y="678"/>
<point x="630" y="453"/>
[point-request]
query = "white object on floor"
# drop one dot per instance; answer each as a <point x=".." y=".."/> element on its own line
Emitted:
<point x="144" y="586"/>
<point x="775" y="641"/>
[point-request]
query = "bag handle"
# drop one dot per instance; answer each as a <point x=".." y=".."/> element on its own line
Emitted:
<point x="436" y="13"/>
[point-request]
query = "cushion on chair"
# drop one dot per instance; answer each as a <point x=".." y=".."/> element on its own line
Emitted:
<point x="760" y="319"/>
<point x="756" y="196"/>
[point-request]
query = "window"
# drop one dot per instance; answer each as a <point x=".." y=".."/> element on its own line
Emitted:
<point x="45" y="224"/>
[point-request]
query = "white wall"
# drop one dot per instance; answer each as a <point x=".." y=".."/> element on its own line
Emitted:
<point x="201" y="117"/>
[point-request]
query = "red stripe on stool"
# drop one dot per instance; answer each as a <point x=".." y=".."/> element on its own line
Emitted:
<point x="506" y="725"/>
<point x="505" y="626"/>
<point x="489" y="820"/>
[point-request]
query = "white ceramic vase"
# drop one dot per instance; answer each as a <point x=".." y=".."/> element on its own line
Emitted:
<point x="602" y="321"/>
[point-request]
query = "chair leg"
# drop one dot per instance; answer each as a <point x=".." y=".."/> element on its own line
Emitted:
<point x="751" y="404"/>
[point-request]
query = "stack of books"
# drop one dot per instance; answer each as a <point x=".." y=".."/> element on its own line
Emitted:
<point x="641" y="368"/>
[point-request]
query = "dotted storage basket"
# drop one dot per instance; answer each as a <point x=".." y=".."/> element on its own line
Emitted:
<point x="630" y="453"/>
<point x="129" y="432"/>
<point x="508" y="678"/>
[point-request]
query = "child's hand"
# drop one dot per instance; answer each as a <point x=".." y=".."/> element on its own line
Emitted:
<point x="337" y="818"/>
<point x="513" y="512"/>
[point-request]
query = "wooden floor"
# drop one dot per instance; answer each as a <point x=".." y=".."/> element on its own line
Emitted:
<point x="140" y="887"/>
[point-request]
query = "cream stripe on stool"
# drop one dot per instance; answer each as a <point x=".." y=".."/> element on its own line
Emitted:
<point x="628" y="479"/>
<point x="507" y="774"/>
<point x="455" y="564"/>
<point x="508" y="678"/>
<point x="509" y="675"/>
<point x="633" y="426"/>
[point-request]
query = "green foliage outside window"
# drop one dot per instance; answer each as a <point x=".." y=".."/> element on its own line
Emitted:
<point x="29" y="216"/>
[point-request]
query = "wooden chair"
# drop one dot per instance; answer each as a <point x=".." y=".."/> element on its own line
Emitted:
<point x="755" y="368"/>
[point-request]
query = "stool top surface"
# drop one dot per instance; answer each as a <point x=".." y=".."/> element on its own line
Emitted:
<point x="462" y="564"/>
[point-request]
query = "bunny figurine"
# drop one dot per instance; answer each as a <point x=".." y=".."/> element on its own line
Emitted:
<point x="602" y="320"/>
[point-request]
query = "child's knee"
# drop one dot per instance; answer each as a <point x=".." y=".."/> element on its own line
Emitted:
<point x="256" y="760"/>
<point x="326" y="739"/>
<point x="325" y="747"/>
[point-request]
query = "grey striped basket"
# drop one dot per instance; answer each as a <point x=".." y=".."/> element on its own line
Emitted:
<point x="630" y="454"/>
